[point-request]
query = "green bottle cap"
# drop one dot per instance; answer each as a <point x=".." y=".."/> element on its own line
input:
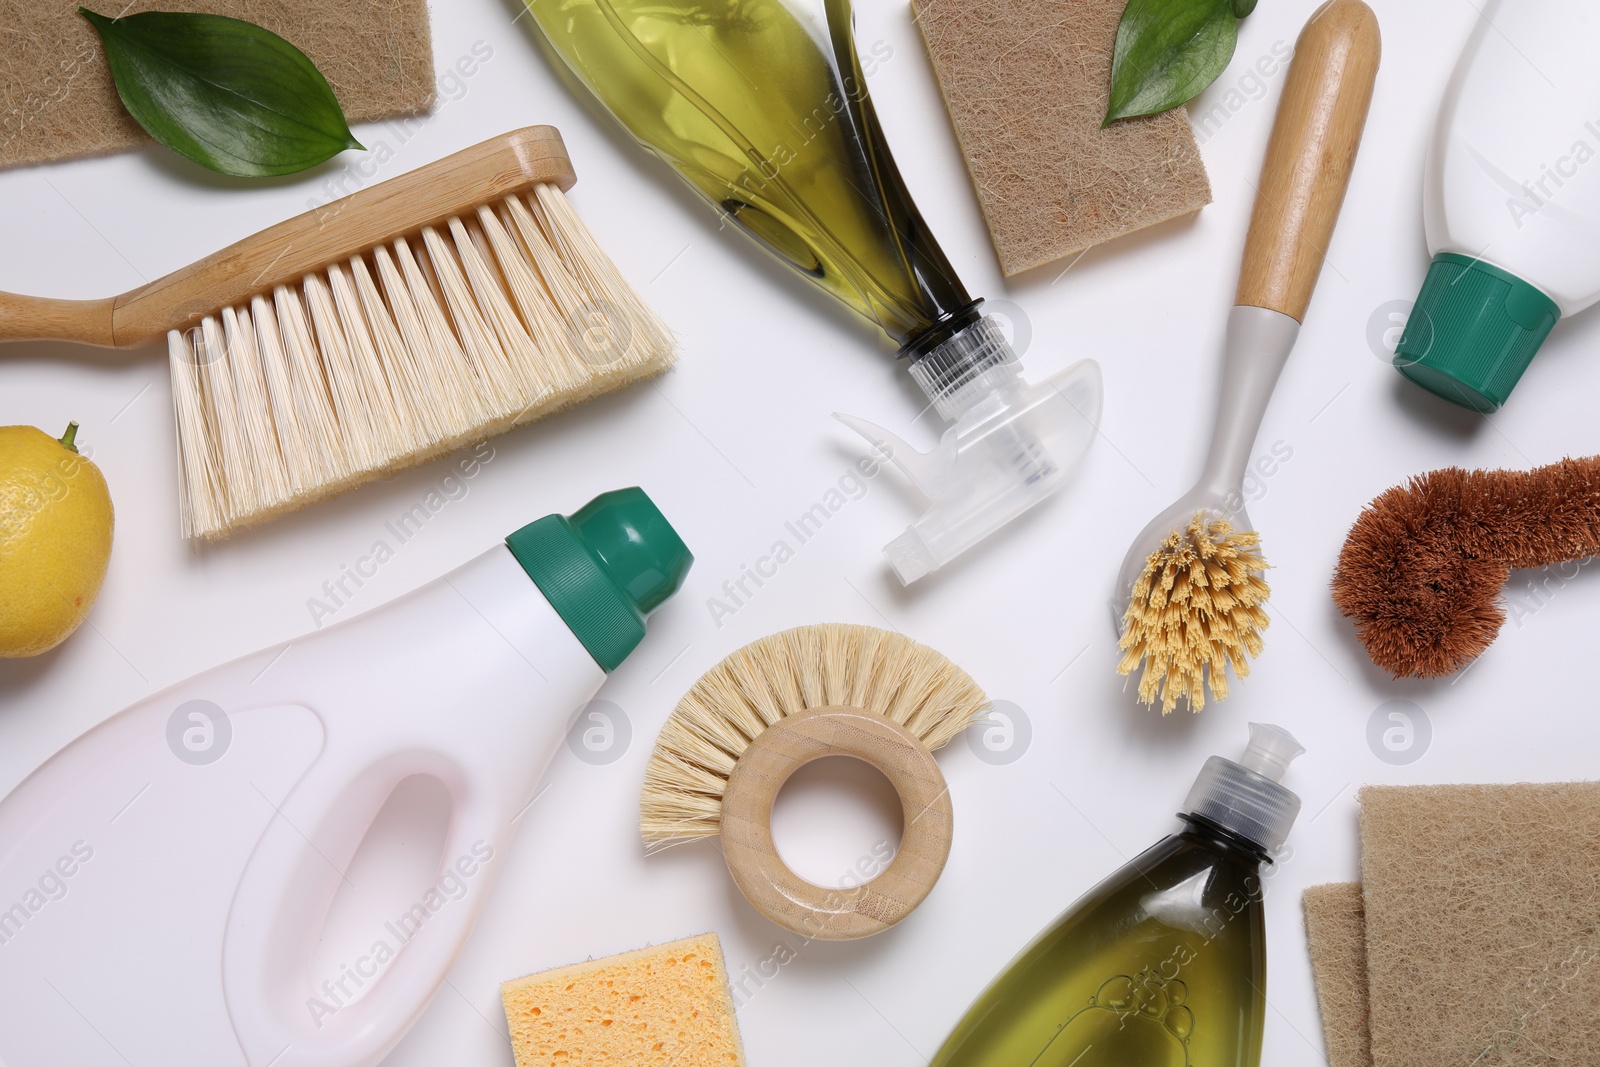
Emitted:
<point x="1473" y="331"/>
<point x="604" y="568"/>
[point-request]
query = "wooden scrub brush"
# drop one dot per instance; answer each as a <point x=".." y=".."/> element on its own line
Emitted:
<point x="776" y="705"/>
<point x="377" y="332"/>
<point x="1190" y="592"/>
<point x="1421" y="570"/>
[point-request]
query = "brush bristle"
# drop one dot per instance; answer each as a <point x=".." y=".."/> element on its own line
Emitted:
<point x="784" y="674"/>
<point x="399" y="355"/>
<point x="1196" y="608"/>
<point x="1421" y="570"/>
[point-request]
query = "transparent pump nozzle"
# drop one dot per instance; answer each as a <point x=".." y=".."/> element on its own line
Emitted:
<point x="1010" y="444"/>
<point x="1247" y="795"/>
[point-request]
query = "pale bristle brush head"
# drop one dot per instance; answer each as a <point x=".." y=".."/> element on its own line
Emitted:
<point x="387" y="329"/>
<point x="810" y="667"/>
<point x="1196" y="609"/>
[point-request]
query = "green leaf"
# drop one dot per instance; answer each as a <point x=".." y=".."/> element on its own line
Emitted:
<point x="1167" y="51"/>
<point x="1242" y="8"/>
<point x="225" y="93"/>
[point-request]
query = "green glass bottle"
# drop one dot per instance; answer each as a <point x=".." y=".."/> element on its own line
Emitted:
<point x="768" y="117"/>
<point x="762" y="106"/>
<point x="1164" y="964"/>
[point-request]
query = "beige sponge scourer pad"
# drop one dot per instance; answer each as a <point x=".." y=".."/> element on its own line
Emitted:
<point x="57" y="99"/>
<point x="655" y="1007"/>
<point x="1027" y="83"/>
<point x="1483" y="924"/>
<point x="1336" y="927"/>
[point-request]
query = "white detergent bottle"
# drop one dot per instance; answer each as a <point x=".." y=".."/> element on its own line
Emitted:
<point x="165" y="879"/>
<point x="1511" y="200"/>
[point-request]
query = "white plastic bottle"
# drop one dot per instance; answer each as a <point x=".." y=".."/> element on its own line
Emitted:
<point x="165" y="879"/>
<point x="1511" y="200"/>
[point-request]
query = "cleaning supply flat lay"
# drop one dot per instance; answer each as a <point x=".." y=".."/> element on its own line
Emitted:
<point x="776" y="705"/>
<point x="470" y="680"/>
<point x="1422" y="569"/>
<point x="1164" y="962"/>
<point x="1189" y="595"/>
<point x="300" y="371"/>
<point x="444" y="826"/>
<point x="803" y="167"/>
<point x="1509" y="206"/>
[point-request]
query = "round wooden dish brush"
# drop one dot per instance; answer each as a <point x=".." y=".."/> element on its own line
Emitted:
<point x="777" y="704"/>
<point x="1421" y="570"/>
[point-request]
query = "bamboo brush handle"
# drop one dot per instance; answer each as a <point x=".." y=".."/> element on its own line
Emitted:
<point x="285" y="253"/>
<point x="1309" y="157"/>
<point x="37" y="318"/>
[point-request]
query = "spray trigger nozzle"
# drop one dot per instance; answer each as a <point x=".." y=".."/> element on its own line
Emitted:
<point x="927" y="471"/>
<point x="1011" y="444"/>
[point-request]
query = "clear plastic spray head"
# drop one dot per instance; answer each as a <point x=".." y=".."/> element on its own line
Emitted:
<point x="831" y="203"/>
<point x="1247" y="796"/>
<point x="1011" y="444"/>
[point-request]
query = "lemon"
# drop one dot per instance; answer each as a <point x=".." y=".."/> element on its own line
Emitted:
<point x="55" y="538"/>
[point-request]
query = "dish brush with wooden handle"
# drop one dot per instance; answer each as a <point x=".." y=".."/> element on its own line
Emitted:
<point x="1421" y="570"/>
<point x="777" y="704"/>
<point x="377" y="332"/>
<point x="1190" y="592"/>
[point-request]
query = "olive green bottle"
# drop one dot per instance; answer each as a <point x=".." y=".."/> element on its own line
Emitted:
<point x="762" y="106"/>
<point x="766" y="114"/>
<point x="1164" y="964"/>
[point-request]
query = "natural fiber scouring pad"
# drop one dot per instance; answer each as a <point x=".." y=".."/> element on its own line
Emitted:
<point x="57" y="100"/>
<point x="1336" y="929"/>
<point x="1027" y="83"/>
<point x="667" y="1006"/>
<point x="1483" y="942"/>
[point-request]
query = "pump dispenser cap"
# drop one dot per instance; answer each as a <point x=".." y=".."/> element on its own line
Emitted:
<point x="604" y="568"/>
<point x="1474" y="330"/>
<point x="1246" y="797"/>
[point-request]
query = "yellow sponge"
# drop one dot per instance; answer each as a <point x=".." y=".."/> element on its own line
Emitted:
<point x="649" y="1008"/>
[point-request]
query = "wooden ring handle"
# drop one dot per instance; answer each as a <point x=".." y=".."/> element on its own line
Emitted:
<point x="1310" y="153"/>
<point x="795" y="904"/>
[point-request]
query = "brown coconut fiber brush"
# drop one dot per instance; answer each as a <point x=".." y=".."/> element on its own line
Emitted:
<point x="377" y="332"/>
<point x="779" y="703"/>
<point x="1421" y="571"/>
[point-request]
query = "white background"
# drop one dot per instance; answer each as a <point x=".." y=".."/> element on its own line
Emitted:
<point x="738" y="440"/>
